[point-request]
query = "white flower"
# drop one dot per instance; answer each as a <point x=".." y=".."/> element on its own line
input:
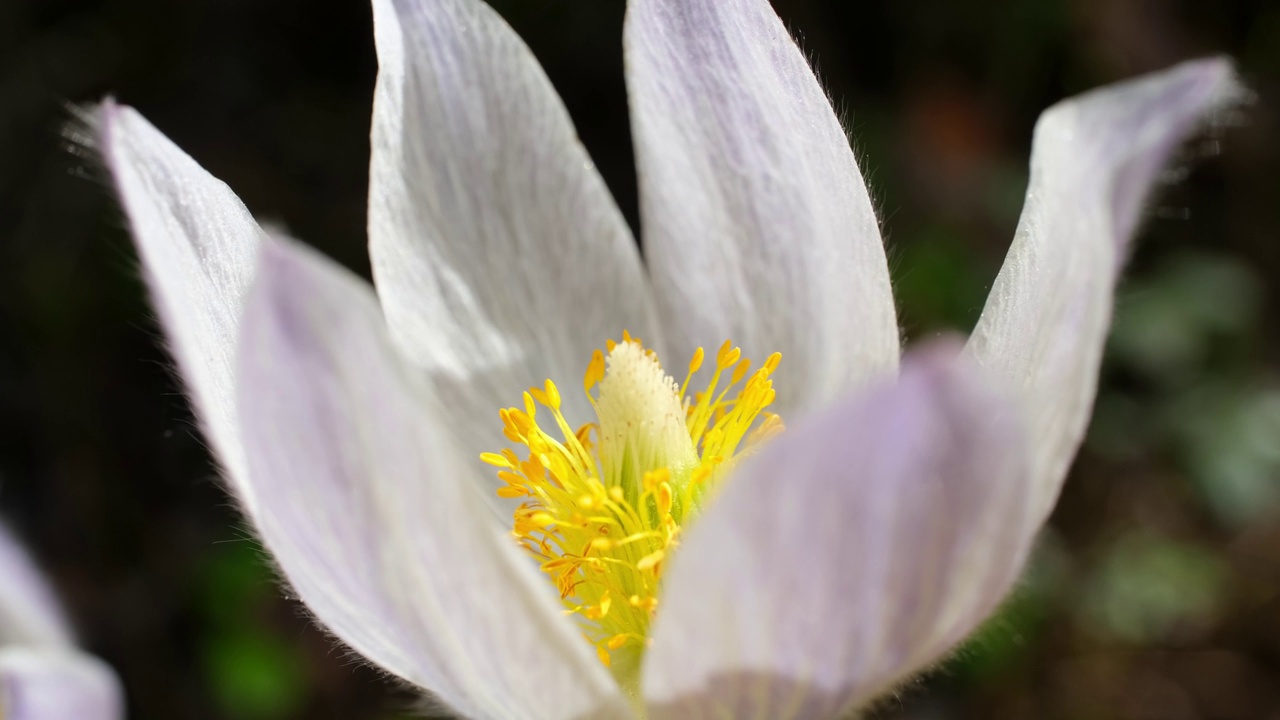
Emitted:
<point x="850" y="552"/>
<point x="42" y="674"/>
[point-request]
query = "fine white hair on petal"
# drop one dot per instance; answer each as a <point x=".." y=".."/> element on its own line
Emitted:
<point x="29" y="612"/>
<point x="1094" y="161"/>
<point x="859" y="547"/>
<point x="376" y="520"/>
<point x="57" y="684"/>
<point x="499" y="256"/>
<point x="198" y="244"/>
<point x="757" y="223"/>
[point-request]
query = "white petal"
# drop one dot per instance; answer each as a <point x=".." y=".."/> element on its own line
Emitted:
<point x="1094" y="161"/>
<point x="56" y="684"/>
<point x="757" y="224"/>
<point x="500" y="257"/>
<point x="863" y="544"/>
<point x="197" y="243"/>
<point x="376" y="521"/>
<point x="29" y="612"/>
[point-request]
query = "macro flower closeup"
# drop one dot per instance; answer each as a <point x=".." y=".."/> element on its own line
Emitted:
<point x="43" y="676"/>
<point x="752" y="506"/>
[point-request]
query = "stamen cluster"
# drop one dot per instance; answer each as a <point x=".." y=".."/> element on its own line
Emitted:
<point x="603" y="515"/>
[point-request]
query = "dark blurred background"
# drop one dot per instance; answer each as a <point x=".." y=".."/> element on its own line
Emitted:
<point x="1156" y="592"/>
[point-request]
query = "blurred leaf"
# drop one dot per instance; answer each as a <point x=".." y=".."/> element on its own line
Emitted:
<point x="1228" y="435"/>
<point x="236" y="580"/>
<point x="1148" y="586"/>
<point x="255" y="676"/>
<point x="1167" y="326"/>
<point x="938" y="283"/>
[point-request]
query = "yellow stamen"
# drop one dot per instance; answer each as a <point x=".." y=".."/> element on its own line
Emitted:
<point x="602" y="518"/>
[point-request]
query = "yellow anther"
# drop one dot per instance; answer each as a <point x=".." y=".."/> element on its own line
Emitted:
<point x="696" y="363"/>
<point x="532" y="469"/>
<point x="740" y="371"/>
<point x="603" y="655"/>
<point x="595" y="371"/>
<point x="530" y="408"/>
<point x="542" y="519"/>
<point x="664" y="498"/>
<point x="495" y="460"/>
<point x="509" y="428"/>
<point x="522" y="422"/>
<point x="648" y="604"/>
<point x="727" y="355"/>
<point x="770" y="427"/>
<point x="771" y="363"/>
<point x="617" y="641"/>
<point x="583" y="436"/>
<point x="650" y="562"/>
<point x="654" y="478"/>
<point x="700" y="475"/>
<point x="602" y="545"/>
<point x="548" y="395"/>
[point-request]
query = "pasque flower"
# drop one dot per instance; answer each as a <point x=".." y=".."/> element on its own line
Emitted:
<point x="43" y="676"/>
<point x="447" y="500"/>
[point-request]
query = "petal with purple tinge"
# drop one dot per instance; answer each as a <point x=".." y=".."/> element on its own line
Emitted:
<point x="499" y="255"/>
<point x="858" y="548"/>
<point x="29" y="613"/>
<point x="757" y="223"/>
<point x="56" y="684"/>
<point x="1094" y="161"/>
<point x="197" y="243"/>
<point x="375" y="520"/>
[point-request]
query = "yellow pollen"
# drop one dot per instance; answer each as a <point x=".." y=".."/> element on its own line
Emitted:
<point x="603" y="517"/>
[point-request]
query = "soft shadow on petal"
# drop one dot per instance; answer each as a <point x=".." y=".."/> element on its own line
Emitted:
<point x="373" y="517"/>
<point x="757" y="223"/>
<point x="859" y="547"/>
<point x="29" y="612"/>
<point x="500" y="257"/>
<point x="198" y="244"/>
<point x="57" y="684"/>
<point x="1094" y="161"/>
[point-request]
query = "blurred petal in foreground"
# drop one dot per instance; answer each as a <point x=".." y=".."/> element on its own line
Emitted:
<point x="857" y="549"/>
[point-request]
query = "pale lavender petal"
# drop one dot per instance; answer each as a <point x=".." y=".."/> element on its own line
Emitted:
<point x="500" y="258"/>
<point x="859" y="547"/>
<point x="757" y="224"/>
<point x="56" y="684"/>
<point x="1094" y="161"/>
<point x="375" y="519"/>
<point x="29" y="612"/>
<point x="197" y="243"/>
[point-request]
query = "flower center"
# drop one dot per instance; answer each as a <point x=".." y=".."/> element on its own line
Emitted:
<point x="603" y="516"/>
